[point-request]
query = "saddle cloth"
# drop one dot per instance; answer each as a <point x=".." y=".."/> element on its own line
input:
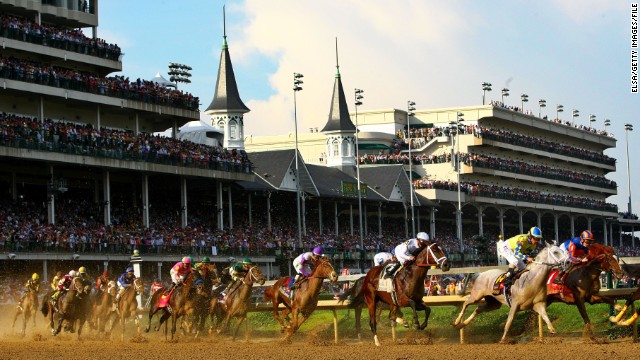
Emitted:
<point x="498" y="285"/>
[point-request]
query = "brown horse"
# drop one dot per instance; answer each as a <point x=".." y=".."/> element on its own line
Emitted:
<point x="582" y="283"/>
<point x="102" y="306"/>
<point x="632" y="271"/>
<point x="68" y="307"/>
<point x="208" y="273"/>
<point x="304" y="300"/>
<point x="408" y="285"/>
<point x="237" y="301"/>
<point x="128" y="305"/>
<point x="27" y="309"/>
<point x="180" y="304"/>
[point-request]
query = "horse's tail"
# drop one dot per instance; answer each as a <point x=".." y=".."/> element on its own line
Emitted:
<point x="353" y="293"/>
<point x="44" y="308"/>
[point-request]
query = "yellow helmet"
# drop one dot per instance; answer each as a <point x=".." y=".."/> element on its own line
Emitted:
<point x="35" y="277"/>
<point x="82" y="270"/>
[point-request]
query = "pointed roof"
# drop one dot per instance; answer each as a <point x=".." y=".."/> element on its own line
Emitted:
<point x="161" y="81"/>
<point x="339" y="119"/>
<point x="227" y="96"/>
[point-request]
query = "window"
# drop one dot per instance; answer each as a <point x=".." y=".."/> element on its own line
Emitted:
<point x="336" y="149"/>
<point x="233" y="129"/>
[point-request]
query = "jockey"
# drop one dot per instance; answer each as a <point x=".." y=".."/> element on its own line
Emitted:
<point x="517" y="250"/>
<point x="54" y="282"/>
<point x="125" y="281"/>
<point x="201" y="265"/>
<point x="382" y="257"/>
<point x="157" y="285"/>
<point x="303" y="263"/>
<point x="238" y="271"/>
<point x="406" y="253"/>
<point x="63" y="284"/>
<point x="179" y="272"/>
<point x="102" y="281"/>
<point x="32" y="284"/>
<point x="576" y="250"/>
<point x="82" y="274"/>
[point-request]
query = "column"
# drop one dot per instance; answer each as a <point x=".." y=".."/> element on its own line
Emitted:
<point x="41" y="108"/>
<point x="480" y="225"/>
<point x="135" y="261"/>
<point x="501" y="221"/>
<point x="573" y="225"/>
<point x="605" y="231"/>
<point x="145" y="201"/>
<point x="14" y="187"/>
<point x="98" y="125"/>
<point x="219" y="207"/>
<point x="269" y="210"/>
<point x="520" y="222"/>
<point x="351" y="218"/>
<point x="230" y="207"/>
<point x="160" y="270"/>
<point x="183" y="202"/>
<point x="249" y="197"/>
<point x="106" y="191"/>
<point x="406" y="222"/>
<point x="589" y="223"/>
<point x="335" y="215"/>
<point x="379" y="219"/>
<point x="418" y="219"/>
<point x="432" y="223"/>
<point x="303" y="204"/>
<point x="320" y="214"/>
<point x="45" y="271"/>
<point x="136" y="130"/>
<point x="555" y="227"/>
<point x="105" y="266"/>
<point x="365" y="223"/>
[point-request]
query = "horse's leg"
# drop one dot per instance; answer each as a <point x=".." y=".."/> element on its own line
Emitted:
<point x="370" y="299"/>
<point x="541" y="309"/>
<point x="512" y="313"/>
<point x="276" y="313"/>
<point x="123" y="316"/>
<point x="357" y="311"/>
<point x="490" y="304"/>
<point x="239" y="321"/>
<point x="416" y="320"/>
<point x="587" y="331"/>
<point x="427" y="313"/>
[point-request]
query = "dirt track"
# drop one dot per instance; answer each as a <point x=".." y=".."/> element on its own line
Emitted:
<point x="315" y="344"/>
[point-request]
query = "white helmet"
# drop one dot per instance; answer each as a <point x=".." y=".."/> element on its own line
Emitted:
<point x="72" y="273"/>
<point x="422" y="236"/>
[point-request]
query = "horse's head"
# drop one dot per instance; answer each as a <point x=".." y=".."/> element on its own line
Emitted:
<point x="137" y="282"/>
<point x="551" y="255"/>
<point x="112" y="288"/>
<point x="212" y="274"/>
<point x="606" y="257"/>
<point x="255" y="275"/>
<point x="77" y="284"/>
<point x="324" y="269"/>
<point x="199" y="286"/>
<point x="433" y="255"/>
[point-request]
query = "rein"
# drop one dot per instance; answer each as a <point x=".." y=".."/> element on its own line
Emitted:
<point x="558" y="260"/>
<point x="438" y="261"/>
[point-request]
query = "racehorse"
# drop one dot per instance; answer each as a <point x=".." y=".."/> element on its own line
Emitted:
<point x="208" y="273"/>
<point x="305" y="298"/>
<point x="632" y="271"/>
<point x="179" y="304"/>
<point x="27" y="309"/>
<point x="102" y="306"/>
<point x="356" y="302"/>
<point x="582" y="282"/>
<point x="237" y="301"/>
<point x="128" y="305"/>
<point x="528" y="291"/>
<point x="68" y="307"/>
<point x="408" y="285"/>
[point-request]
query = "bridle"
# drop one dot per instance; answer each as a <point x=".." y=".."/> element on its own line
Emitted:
<point x="558" y="260"/>
<point x="432" y="255"/>
<point x="252" y="277"/>
<point x="317" y="269"/>
<point x="139" y="288"/>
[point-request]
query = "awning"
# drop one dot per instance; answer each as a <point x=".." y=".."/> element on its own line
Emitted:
<point x="373" y="147"/>
<point x="414" y="175"/>
<point x="420" y="126"/>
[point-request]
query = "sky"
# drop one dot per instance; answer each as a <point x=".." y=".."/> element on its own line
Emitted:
<point x="576" y="53"/>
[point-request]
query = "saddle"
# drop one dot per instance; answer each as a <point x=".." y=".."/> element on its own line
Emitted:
<point x="498" y="285"/>
<point x="164" y="298"/>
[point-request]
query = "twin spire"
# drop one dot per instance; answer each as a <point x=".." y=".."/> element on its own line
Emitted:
<point x="339" y="119"/>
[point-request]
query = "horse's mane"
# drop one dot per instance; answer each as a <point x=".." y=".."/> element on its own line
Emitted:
<point x="320" y="262"/>
<point x="596" y="250"/>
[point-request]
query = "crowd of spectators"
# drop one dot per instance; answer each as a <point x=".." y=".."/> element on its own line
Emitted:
<point x="23" y="29"/>
<point x="521" y="167"/>
<point x="516" y="194"/>
<point x="500" y="104"/>
<point x="68" y="137"/>
<point x="628" y="215"/>
<point x="112" y="86"/>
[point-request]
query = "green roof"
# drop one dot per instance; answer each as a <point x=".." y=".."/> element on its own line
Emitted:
<point x="373" y="147"/>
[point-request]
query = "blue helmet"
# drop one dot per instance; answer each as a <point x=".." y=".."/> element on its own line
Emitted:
<point x="535" y="233"/>
<point x="129" y="269"/>
<point x="393" y="251"/>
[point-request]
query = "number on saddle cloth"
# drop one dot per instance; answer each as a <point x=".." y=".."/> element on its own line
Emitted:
<point x="499" y="283"/>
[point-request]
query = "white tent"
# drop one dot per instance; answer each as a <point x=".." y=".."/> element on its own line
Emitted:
<point x="161" y="81"/>
<point x="198" y="132"/>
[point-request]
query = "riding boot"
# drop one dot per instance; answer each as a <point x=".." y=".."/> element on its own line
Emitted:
<point x="508" y="281"/>
<point x="297" y="281"/>
<point x="558" y="280"/>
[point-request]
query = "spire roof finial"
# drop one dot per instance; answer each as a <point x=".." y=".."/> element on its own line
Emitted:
<point x="337" y="63"/>
<point x="224" y="27"/>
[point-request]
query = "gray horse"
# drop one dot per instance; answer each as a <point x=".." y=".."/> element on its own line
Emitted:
<point x="528" y="291"/>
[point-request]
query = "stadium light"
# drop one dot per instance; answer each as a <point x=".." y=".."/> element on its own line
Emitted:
<point x="524" y="98"/>
<point x="358" y="101"/>
<point x="459" y="209"/>
<point x="592" y="119"/>
<point x="486" y="86"/>
<point x="179" y="73"/>
<point x="576" y="113"/>
<point x="296" y="87"/>
<point x="542" y="103"/>
<point x="411" y="107"/>
<point x="559" y="109"/>
<point x="505" y="92"/>
<point x="607" y="123"/>
<point x="627" y="128"/>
